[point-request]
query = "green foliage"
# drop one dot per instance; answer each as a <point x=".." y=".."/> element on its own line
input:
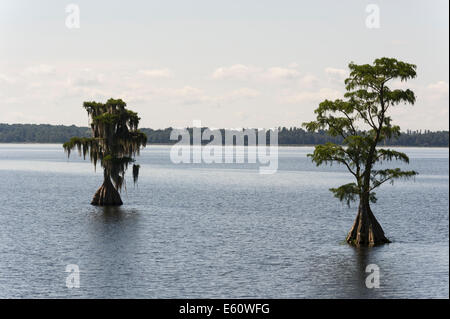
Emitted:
<point x="115" y="139"/>
<point x="40" y="133"/>
<point x="361" y="120"/>
<point x="381" y="176"/>
<point x="346" y="193"/>
<point x="45" y="133"/>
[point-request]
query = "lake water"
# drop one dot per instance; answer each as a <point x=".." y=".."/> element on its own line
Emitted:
<point x="215" y="231"/>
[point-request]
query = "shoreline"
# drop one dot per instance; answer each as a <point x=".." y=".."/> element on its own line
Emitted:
<point x="280" y="145"/>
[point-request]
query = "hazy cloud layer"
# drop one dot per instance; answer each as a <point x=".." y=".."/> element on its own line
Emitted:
<point x="253" y="68"/>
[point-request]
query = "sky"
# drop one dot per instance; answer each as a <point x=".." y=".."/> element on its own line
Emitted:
<point x="230" y="64"/>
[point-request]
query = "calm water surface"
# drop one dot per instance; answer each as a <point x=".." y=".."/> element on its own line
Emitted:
<point x="215" y="230"/>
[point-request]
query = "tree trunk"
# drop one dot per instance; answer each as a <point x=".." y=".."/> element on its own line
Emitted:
<point x="107" y="195"/>
<point x="366" y="230"/>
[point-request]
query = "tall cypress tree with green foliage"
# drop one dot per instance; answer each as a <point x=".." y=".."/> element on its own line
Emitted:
<point x="115" y="142"/>
<point x="362" y="120"/>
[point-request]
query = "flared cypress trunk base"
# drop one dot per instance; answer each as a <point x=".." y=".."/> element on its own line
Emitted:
<point x="366" y="230"/>
<point x="107" y="195"/>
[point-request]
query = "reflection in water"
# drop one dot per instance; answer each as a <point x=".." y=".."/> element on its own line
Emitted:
<point x="113" y="213"/>
<point x="114" y="237"/>
<point x="363" y="256"/>
<point x="341" y="272"/>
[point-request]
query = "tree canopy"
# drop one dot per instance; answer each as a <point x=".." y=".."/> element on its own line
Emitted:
<point x="361" y="120"/>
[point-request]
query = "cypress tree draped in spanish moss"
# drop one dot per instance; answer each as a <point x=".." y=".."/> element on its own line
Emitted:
<point x="115" y="142"/>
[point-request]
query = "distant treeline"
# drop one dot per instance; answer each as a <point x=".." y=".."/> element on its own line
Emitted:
<point x="44" y="133"/>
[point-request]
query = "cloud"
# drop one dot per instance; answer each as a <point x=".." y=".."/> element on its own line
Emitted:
<point x="237" y="71"/>
<point x="60" y="89"/>
<point x="184" y="95"/>
<point x="187" y="95"/>
<point x="85" y="78"/>
<point x="438" y="90"/>
<point x="193" y="95"/>
<point x="336" y="74"/>
<point x="281" y="73"/>
<point x="309" y="81"/>
<point x="6" y="79"/>
<point x="244" y="72"/>
<point x="312" y="96"/>
<point x="90" y="93"/>
<point x="156" y="73"/>
<point x="41" y="69"/>
<point x="244" y="93"/>
<point x="187" y="92"/>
